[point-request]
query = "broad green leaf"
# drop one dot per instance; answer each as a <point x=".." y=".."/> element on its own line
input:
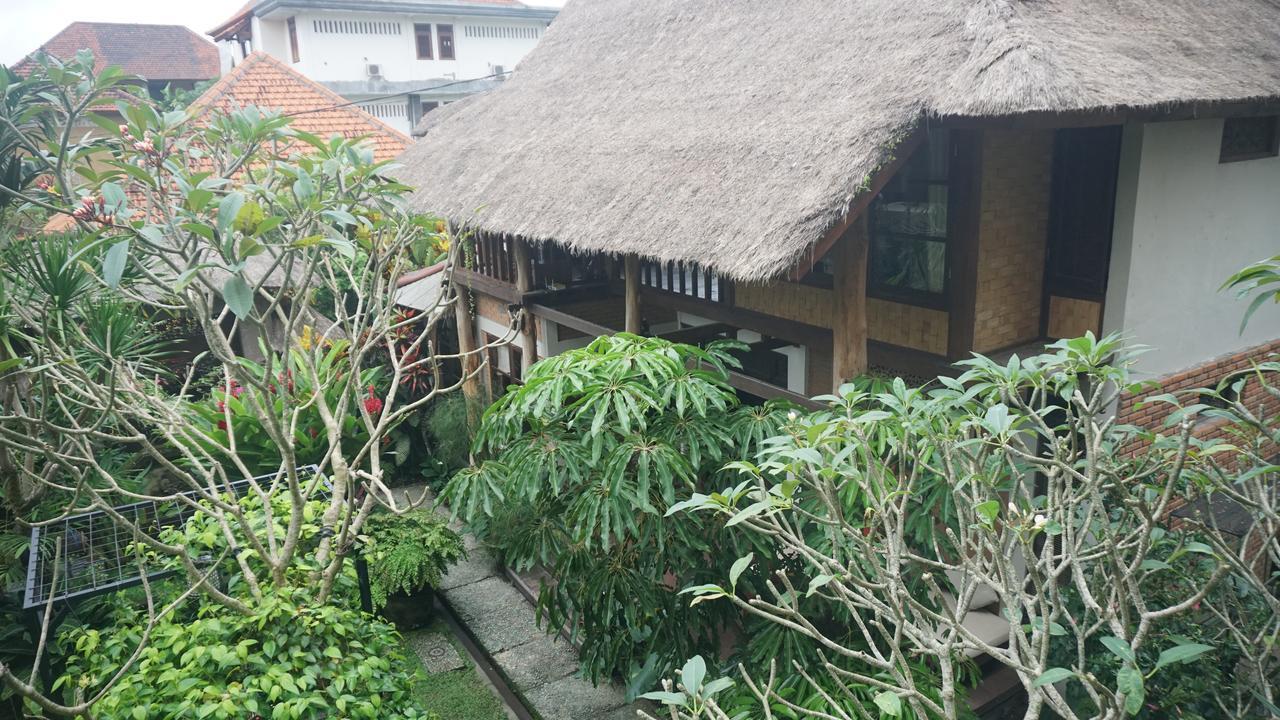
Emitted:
<point x="739" y="566"/>
<point x="114" y="262"/>
<point x="238" y="296"/>
<point x="228" y="209"/>
<point x="1129" y="681"/>
<point x="988" y="512"/>
<point x="1053" y="675"/>
<point x="889" y="703"/>
<point x="1118" y="647"/>
<point x="692" y="674"/>
<point x="675" y="699"/>
<point x="818" y="582"/>
<point x="1182" y="653"/>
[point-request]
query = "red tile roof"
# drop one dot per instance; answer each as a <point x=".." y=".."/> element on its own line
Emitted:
<point x="156" y="52"/>
<point x="263" y="81"/>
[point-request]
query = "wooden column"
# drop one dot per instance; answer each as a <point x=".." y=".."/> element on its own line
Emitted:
<point x="633" y="294"/>
<point x="472" y="391"/>
<point x="849" y="319"/>
<point x="528" y="324"/>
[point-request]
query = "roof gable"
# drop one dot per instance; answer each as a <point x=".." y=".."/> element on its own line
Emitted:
<point x="262" y="81"/>
<point x="737" y="133"/>
<point x="155" y="52"/>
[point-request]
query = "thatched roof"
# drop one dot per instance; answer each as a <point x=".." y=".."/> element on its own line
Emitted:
<point x="737" y="132"/>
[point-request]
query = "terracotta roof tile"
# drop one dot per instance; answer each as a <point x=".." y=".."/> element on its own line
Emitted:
<point x="264" y="82"/>
<point x="155" y="52"/>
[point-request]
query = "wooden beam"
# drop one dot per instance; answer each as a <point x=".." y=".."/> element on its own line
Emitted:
<point x="487" y="285"/>
<point x="472" y="391"/>
<point x="699" y="334"/>
<point x="964" y="222"/>
<point x="773" y="326"/>
<point x="849" y="314"/>
<point x="861" y="202"/>
<point x="524" y="286"/>
<point x="766" y="391"/>
<point x="586" y="327"/>
<point x="633" y="294"/>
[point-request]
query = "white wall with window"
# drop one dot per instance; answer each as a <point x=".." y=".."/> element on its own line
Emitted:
<point x="338" y="47"/>
<point x="1197" y="201"/>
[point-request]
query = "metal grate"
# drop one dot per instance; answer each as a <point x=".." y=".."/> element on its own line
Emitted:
<point x="96" y="556"/>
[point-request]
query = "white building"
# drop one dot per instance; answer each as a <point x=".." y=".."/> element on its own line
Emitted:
<point x="398" y="58"/>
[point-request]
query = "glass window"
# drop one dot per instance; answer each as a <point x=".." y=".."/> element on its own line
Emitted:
<point x="908" y="226"/>
<point x="1249" y="138"/>
<point x="293" y="38"/>
<point x="422" y="36"/>
<point x="445" y="36"/>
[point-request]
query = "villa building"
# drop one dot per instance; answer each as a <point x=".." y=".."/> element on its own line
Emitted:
<point x="398" y="58"/>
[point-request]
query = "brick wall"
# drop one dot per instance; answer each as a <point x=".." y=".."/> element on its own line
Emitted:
<point x="889" y="322"/>
<point x="1013" y="233"/>
<point x="1072" y="317"/>
<point x="1133" y="411"/>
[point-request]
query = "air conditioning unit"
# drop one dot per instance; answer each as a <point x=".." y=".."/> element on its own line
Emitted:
<point x="373" y="70"/>
<point x="499" y="72"/>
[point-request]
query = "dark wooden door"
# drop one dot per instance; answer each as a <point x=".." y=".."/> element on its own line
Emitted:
<point x="1082" y="211"/>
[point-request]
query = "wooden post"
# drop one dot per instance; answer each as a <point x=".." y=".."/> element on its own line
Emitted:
<point x="849" y="323"/>
<point x="524" y="284"/>
<point x="470" y="360"/>
<point x="633" y="294"/>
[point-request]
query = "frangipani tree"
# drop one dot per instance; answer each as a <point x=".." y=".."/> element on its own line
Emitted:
<point x="1058" y="523"/>
<point x="283" y="249"/>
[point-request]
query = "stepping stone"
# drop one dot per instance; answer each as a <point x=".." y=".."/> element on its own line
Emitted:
<point x="495" y="613"/>
<point x="438" y="655"/>
<point x="572" y="698"/>
<point x="478" y="566"/>
<point x="537" y="662"/>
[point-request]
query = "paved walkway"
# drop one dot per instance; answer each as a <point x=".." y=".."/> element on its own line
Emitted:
<point x="540" y="668"/>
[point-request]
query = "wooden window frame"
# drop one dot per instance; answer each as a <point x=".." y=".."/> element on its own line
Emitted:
<point x="292" y="25"/>
<point x="1273" y="151"/>
<point x="940" y="300"/>
<point x="424" y="31"/>
<point x="453" y="41"/>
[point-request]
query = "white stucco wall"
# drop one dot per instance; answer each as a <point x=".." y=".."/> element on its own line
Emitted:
<point x="1184" y="224"/>
<point x="329" y="56"/>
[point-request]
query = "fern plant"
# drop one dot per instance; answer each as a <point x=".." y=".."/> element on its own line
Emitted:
<point x="409" y="552"/>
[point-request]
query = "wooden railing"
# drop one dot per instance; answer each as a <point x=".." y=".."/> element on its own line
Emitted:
<point x="550" y="265"/>
<point x="688" y="280"/>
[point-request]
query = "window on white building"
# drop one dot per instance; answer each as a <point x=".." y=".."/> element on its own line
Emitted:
<point x="422" y="36"/>
<point x="444" y="35"/>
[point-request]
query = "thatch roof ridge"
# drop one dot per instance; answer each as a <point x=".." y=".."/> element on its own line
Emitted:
<point x="737" y="133"/>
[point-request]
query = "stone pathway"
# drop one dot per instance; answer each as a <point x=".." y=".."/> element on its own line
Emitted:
<point x="540" y="668"/>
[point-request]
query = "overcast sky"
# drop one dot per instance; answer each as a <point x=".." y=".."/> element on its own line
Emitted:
<point x="26" y="24"/>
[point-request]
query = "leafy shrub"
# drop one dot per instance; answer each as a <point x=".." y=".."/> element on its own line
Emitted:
<point x="580" y="465"/>
<point x="290" y="391"/>
<point x="409" y="552"/>
<point x="289" y="659"/>
<point x="432" y="444"/>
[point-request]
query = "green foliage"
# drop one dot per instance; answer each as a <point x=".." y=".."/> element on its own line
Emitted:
<point x="1260" y="280"/>
<point x="289" y="659"/>
<point x="579" y="467"/>
<point x="289" y="400"/>
<point x="409" y="552"/>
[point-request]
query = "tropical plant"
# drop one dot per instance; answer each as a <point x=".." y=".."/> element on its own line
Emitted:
<point x="283" y="249"/>
<point x="290" y="658"/>
<point x="1061" y="517"/>
<point x="578" y="467"/>
<point x="409" y="552"/>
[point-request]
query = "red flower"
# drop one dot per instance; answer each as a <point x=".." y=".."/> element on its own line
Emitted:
<point x="222" y="406"/>
<point x="372" y="404"/>
<point x="222" y="424"/>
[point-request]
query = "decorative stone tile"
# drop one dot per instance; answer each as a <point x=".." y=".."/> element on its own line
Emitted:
<point x="437" y="653"/>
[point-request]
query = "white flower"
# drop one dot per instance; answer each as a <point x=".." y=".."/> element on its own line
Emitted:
<point x="792" y="416"/>
<point x="1041" y="521"/>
